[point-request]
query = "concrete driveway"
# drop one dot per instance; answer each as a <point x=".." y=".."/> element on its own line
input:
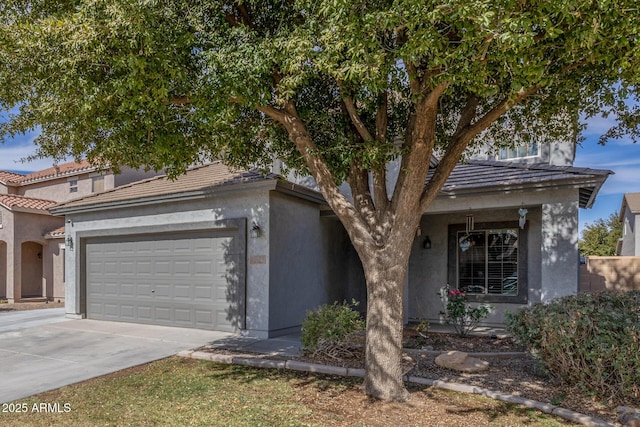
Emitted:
<point x="41" y="350"/>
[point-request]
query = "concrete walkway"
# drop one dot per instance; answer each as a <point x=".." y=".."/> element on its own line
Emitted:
<point x="40" y="350"/>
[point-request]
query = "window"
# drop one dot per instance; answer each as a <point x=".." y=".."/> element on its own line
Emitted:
<point x="489" y="263"/>
<point x="73" y="186"/>
<point x="525" y="150"/>
<point x="97" y="184"/>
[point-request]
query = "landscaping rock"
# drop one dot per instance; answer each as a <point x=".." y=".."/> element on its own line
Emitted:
<point x="628" y="417"/>
<point x="460" y="361"/>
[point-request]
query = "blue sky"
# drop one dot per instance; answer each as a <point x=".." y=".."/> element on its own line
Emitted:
<point x="622" y="157"/>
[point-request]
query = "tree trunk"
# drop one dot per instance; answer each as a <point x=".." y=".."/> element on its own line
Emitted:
<point x="385" y="272"/>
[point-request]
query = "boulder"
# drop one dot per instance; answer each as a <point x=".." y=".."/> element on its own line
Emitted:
<point x="628" y="417"/>
<point x="460" y="361"/>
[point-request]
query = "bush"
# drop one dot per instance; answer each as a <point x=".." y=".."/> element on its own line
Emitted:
<point x="458" y="313"/>
<point x="330" y="326"/>
<point x="591" y="341"/>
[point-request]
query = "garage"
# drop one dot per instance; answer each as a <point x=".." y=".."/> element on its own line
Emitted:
<point x="187" y="279"/>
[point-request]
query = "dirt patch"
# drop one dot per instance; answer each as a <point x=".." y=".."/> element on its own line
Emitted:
<point x="519" y="375"/>
<point x="20" y="306"/>
<point x="469" y="344"/>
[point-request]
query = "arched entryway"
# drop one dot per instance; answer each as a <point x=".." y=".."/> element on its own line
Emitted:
<point x="31" y="267"/>
<point x="3" y="269"/>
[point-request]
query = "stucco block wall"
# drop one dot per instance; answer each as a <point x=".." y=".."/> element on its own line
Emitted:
<point x="620" y="273"/>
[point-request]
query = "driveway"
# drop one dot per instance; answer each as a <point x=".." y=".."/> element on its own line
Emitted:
<point x="41" y="350"/>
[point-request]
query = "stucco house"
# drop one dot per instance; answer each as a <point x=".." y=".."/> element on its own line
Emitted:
<point x="629" y="244"/>
<point x="239" y="251"/>
<point x="31" y="239"/>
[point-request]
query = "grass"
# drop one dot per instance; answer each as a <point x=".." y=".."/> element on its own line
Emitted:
<point x="184" y="392"/>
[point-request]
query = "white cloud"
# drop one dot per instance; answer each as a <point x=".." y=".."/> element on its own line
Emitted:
<point x="598" y="125"/>
<point x="625" y="180"/>
<point x="12" y="152"/>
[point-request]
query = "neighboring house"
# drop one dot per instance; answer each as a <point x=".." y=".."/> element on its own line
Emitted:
<point x="32" y="241"/>
<point x="629" y="244"/>
<point x="238" y="251"/>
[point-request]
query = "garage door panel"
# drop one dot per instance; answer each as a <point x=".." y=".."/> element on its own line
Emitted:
<point x="171" y="279"/>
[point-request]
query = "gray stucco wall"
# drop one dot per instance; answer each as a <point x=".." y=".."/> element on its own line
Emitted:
<point x="200" y="214"/>
<point x="308" y="266"/>
<point x="428" y="268"/>
<point x="560" y="256"/>
<point x="630" y="235"/>
<point x="551" y="233"/>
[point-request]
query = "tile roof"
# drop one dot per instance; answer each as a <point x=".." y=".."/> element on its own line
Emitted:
<point x="474" y="175"/>
<point x="58" y="232"/>
<point x="196" y="179"/>
<point x="469" y="176"/>
<point x="14" y="202"/>
<point x="7" y="177"/>
<point x="58" y="170"/>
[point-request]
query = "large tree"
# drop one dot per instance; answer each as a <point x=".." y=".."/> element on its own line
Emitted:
<point x="601" y="237"/>
<point x="336" y="88"/>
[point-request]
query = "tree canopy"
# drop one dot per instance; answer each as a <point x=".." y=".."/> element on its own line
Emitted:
<point x="601" y="237"/>
<point x="168" y="82"/>
<point x="336" y="88"/>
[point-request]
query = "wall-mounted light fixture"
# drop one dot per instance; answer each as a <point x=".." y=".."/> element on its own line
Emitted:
<point x="70" y="243"/>
<point x="70" y="222"/>
<point x="39" y="255"/>
<point x="255" y="231"/>
<point x="427" y="243"/>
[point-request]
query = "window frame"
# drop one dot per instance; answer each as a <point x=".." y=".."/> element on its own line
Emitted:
<point x="73" y="185"/>
<point x="94" y="180"/>
<point x="522" y="295"/>
<point x="514" y="149"/>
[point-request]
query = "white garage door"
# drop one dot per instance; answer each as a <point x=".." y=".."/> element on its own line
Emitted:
<point x="188" y="279"/>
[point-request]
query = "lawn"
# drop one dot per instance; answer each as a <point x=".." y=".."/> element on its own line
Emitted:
<point x="181" y="392"/>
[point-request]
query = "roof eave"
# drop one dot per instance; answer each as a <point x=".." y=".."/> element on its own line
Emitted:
<point x="60" y="210"/>
<point x="596" y="180"/>
<point x="57" y="176"/>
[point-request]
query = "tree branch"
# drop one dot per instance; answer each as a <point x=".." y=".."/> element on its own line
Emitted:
<point x="357" y="228"/>
<point x="380" y="195"/>
<point x="461" y="139"/>
<point x="355" y="119"/>
<point x="273" y="112"/>
<point x="420" y="139"/>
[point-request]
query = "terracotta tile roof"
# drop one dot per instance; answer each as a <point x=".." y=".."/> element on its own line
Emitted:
<point x="58" y="170"/>
<point x="13" y="202"/>
<point x="58" y="232"/>
<point x="7" y="177"/>
<point x="196" y="179"/>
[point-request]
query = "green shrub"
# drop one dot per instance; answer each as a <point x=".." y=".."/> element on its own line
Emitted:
<point x="330" y="324"/>
<point x="591" y="341"/>
<point x="458" y="313"/>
